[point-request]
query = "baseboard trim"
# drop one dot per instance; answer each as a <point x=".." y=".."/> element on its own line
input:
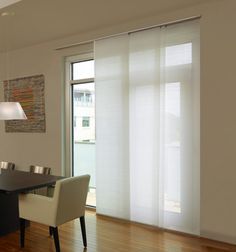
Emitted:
<point x="218" y="237"/>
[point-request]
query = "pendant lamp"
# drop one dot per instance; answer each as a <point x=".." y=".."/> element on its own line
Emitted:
<point x="11" y="111"/>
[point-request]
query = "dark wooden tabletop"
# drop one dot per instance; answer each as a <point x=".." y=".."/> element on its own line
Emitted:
<point x="20" y="181"/>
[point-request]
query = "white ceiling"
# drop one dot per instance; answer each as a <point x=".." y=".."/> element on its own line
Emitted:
<point x="37" y="21"/>
<point x="5" y="3"/>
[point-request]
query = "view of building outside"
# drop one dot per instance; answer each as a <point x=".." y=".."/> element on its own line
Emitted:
<point x="84" y="124"/>
<point x="84" y="113"/>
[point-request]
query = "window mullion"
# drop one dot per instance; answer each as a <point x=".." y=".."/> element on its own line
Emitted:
<point x="82" y="81"/>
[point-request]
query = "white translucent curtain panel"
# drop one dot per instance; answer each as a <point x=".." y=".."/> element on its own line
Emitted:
<point x="147" y="112"/>
<point x="112" y="131"/>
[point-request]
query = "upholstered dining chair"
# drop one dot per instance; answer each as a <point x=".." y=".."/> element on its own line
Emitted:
<point x="40" y="169"/>
<point x="67" y="203"/>
<point x="45" y="171"/>
<point x="7" y="165"/>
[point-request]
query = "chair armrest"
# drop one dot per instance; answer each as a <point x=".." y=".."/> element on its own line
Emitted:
<point x="37" y="208"/>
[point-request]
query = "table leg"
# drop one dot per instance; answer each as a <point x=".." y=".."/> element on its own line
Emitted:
<point x="9" y="213"/>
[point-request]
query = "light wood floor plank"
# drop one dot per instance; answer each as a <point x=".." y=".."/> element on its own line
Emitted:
<point x="108" y="235"/>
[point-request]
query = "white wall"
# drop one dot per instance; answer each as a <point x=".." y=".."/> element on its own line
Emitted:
<point x="218" y="103"/>
<point x="35" y="148"/>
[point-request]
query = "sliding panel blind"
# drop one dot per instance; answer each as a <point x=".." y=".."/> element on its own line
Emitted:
<point x="147" y="110"/>
<point x="112" y="133"/>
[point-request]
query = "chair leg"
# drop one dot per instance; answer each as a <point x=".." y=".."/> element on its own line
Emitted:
<point x="83" y="230"/>
<point x="22" y="232"/>
<point x="56" y="238"/>
<point x="50" y="231"/>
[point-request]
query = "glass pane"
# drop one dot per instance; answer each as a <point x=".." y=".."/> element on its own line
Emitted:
<point x="84" y="135"/>
<point x="178" y="54"/>
<point x="172" y="148"/>
<point x="83" y="70"/>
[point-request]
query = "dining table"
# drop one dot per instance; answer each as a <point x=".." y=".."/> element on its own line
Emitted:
<point x="12" y="183"/>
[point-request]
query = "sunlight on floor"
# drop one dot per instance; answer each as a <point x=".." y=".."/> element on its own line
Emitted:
<point x="91" y="198"/>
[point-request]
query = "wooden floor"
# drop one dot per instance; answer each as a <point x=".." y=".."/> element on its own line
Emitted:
<point x="107" y="235"/>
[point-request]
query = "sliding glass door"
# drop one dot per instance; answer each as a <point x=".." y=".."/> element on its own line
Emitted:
<point x="83" y="123"/>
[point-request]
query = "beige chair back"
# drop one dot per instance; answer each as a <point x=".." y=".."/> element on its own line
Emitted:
<point x="7" y="165"/>
<point x="40" y="169"/>
<point x="70" y="198"/>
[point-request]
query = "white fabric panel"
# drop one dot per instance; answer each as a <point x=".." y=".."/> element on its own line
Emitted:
<point x="147" y="91"/>
<point x="112" y="127"/>
<point x="144" y="77"/>
<point x="180" y="74"/>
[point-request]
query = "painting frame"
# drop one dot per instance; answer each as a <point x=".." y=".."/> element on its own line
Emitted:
<point x="29" y="92"/>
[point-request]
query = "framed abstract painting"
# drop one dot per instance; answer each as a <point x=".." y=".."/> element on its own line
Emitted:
<point x="29" y="91"/>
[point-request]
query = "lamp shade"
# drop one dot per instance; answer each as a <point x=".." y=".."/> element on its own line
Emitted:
<point x="11" y="111"/>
